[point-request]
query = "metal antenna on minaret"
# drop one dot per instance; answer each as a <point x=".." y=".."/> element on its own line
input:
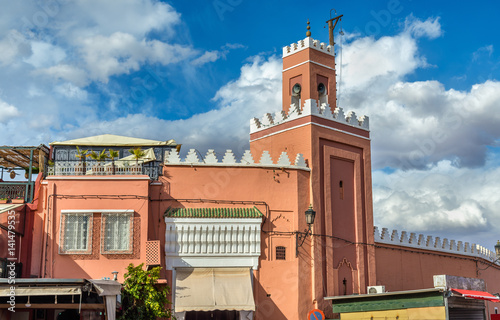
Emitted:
<point x="331" y="25"/>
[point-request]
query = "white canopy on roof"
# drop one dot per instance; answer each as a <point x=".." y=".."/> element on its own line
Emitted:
<point x="111" y="140"/>
<point x="149" y="155"/>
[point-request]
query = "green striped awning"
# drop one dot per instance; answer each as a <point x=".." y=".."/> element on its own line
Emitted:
<point x="213" y="213"/>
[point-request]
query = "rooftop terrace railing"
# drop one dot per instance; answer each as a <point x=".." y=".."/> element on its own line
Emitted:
<point x="15" y="191"/>
<point x="94" y="168"/>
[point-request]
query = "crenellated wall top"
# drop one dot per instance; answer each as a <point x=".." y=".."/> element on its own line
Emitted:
<point x="308" y="43"/>
<point x="229" y="159"/>
<point x="420" y="241"/>
<point x="310" y="108"/>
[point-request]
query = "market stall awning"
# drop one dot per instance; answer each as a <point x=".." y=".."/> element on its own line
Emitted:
<point x="41" y="291"/>
<point x="480" y="295"/>
<point x="207" y="289"/>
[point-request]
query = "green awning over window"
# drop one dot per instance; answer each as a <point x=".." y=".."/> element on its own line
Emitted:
<point x="213" y="213"/>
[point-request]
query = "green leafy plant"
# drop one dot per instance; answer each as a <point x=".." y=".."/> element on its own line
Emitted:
<point x="81" y="154"/>
<point x="142" y="298"/>
<point x="99" y="156"/>
<point x="137" y="153"/>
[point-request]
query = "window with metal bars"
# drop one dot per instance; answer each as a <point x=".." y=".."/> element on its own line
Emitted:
<point x="280" y="253"/>
<point x="117" y="233"/>
<point x="76" y="233"/>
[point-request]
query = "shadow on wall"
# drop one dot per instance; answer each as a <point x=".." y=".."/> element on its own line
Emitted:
<point x="265" y="306"/>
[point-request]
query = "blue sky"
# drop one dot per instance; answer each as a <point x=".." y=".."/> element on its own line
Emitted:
<point x="425" y="72"/>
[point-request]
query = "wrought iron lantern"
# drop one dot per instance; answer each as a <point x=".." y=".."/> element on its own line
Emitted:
<point x="300" y="237"/>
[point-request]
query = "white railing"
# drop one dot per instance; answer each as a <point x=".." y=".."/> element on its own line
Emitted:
<point x="67" y="168"/>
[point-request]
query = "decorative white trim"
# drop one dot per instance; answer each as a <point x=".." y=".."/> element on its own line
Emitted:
<point x="433" y="243"/>
<point x="229" y="160"/>
<point x="310" y="61"/>
<point x="311" y="123"/>
<point x="206" y="242"/>
<point x="308" y="43"/>
<point x="310" y="107"/>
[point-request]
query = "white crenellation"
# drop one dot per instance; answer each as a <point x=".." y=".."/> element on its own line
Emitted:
<point x="284" y="160"/>
<point x="192" y="156"/>
<point x="300" y="161"/>
<point x="210" y="157"/>
<point x="294" y="112"/>
<point x="395" y="236"/>
<point x="453" y="245"/>
<point x="310" y="107"/>
<point x="339" y="115"/>
<point x="413" y="238"/>
<point x="351" y="118"/>
<point x="173" y="157"/>
<point x="266" y="158"/>
<point x="308" y="43"/>
<point x="433" y="244"/>
<point x="255" y="124"/>
<point x="326" y="111"/>
<point x="229" y="159"/>
<point x="376" y="234"/>
<point x="267" y="120"/>
<point x="385" y="233"/>
<point x="404" y="237"/>
<point x="364" y="122"/>
<point x="279" y="116"/>
<point x="247" y="158"/>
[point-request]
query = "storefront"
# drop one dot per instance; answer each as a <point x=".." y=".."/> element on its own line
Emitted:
<point x="58" y="299"/>
<point x="452" y="298"/>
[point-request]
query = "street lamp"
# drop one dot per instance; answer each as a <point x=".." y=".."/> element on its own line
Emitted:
<point x="301" y="236"/>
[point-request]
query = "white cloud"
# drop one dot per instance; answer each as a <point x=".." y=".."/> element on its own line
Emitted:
<point x="105" y="17"/>
<point x="121" y="53"/>
<point x="255" y="92"/>
<point x="443" y="201"/>
<point x="209" y="56"/>
<point x="13" y="46"/>
<point x="45" y="55"/>
<point x="69" y="90"/>
<point x="66" y="72"/>
<point x="482" y="52"/>
<point x="7" y="112"/>
<point x="366" y="60"/>
<point x="430" y="28"/>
